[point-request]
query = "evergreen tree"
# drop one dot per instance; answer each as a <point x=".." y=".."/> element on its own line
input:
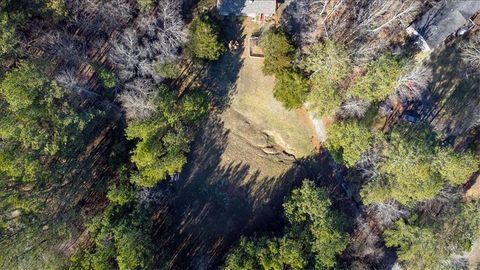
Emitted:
<point x="204" y="41"/>
<point x="278" y="52"/>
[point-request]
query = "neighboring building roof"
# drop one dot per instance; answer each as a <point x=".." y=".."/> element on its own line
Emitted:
<point x="439" y="22"/>
<point x="246" y="7"/>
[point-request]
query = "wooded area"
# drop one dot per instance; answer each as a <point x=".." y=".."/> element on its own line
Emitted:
<point x="102" y="102"/>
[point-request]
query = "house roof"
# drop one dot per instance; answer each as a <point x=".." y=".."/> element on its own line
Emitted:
<point x="237" y="7"/>
<point x="439" y="22"/>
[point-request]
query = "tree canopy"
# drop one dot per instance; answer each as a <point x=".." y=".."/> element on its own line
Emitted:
<point x="329" y="65"/>
<point x="121" y="240"/>
<point x="379" y="80"/>
<point x="348" y="140"/>
<point x="420" y="235"/>
<point x="414" y="169"/>
<point x="290" y="89"/>
<point x="313" y="237"/>
<point x="163" y="138"/>
<point x="204" y="41"/>
<point x="278" y="52"/>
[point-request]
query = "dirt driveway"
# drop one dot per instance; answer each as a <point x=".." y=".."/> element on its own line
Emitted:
<point x="244" y="161"/>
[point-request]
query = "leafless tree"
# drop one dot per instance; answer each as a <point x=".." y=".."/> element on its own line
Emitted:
<point x="412" y="85"/>
<point x="368" y="50"/>
<point x="171" y="31"/>
<point x="301" y="18"/>
<point x="149" y="196"/>
<point x="373" y="16"/>
<point x="388" y="212"/>
<point x="385" y="108"/>
<point x="94" y="16"/>
<point x="68" y="80"/>
<point x="443" y="200"/>
<point x="364" y="242"/>
<point x="126" y="54"/>
<point x="136" y="99"/>
<point x="353" y="108"/>
<point x="471" y="52"/>
<point x="475" y="119"/>
<point x="309" y="20"/>
<point x="157" y="37"/>
<point x="457" y="262"/>
<point x="366" y="166"/>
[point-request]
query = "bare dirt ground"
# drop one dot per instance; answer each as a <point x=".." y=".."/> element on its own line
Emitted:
<point x="245" y="159"/>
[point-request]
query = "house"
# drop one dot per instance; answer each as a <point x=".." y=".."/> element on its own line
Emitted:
<point x="250" y="8"/>
<point x="443" y="20"/>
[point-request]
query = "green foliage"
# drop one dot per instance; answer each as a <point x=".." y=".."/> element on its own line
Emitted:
<point x="379" y="80"/>
<point x="452" y="231"/>
<point x="40" y="134"/>
<point x="454" y="167"/>
<point x="278" y="52"/>
<point x="164" y="138"/>
<point x="264" y="253"/>
<point x="121" y="240"/>
<point x="466" y="224"/>
<point x="108" y="78"/>
<point x="121" y="194"/>
<point x="145" y="5"/>
<point x="57" y="7"/>
<point x="244" y="257"/>
<point x="8" y="40"/>
<point x="347" y="141"/>
<point x="408" y="175"/>
<point x="43" y="121"/>
<point x="418" y="247"/>
<point x="323" y="100"/>
<point x="167" y="70"/>
<point x="329" y="65"/>
<point x="415" y="170"/>
<point x="308" y="210"/>
<point x="290" y="89"/>
<point x="204" y="41"/>
<point x="312" y="239"/>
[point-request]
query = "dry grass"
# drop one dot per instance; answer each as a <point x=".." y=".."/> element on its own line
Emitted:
<point x="241" y="166"/>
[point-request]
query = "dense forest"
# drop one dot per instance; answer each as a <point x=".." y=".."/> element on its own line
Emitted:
<point x="103" y="100"/>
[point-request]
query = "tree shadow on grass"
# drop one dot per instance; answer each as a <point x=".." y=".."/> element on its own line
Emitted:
<point x="213" y="205"/>
<point x="221" y="76"/>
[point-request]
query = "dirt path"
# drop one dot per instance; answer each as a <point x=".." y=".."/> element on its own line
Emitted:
<point x="244" y="161"/>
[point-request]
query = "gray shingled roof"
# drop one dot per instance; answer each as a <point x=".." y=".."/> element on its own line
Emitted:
<point x="439" y="22"/>
<point x="237" y="7"/>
